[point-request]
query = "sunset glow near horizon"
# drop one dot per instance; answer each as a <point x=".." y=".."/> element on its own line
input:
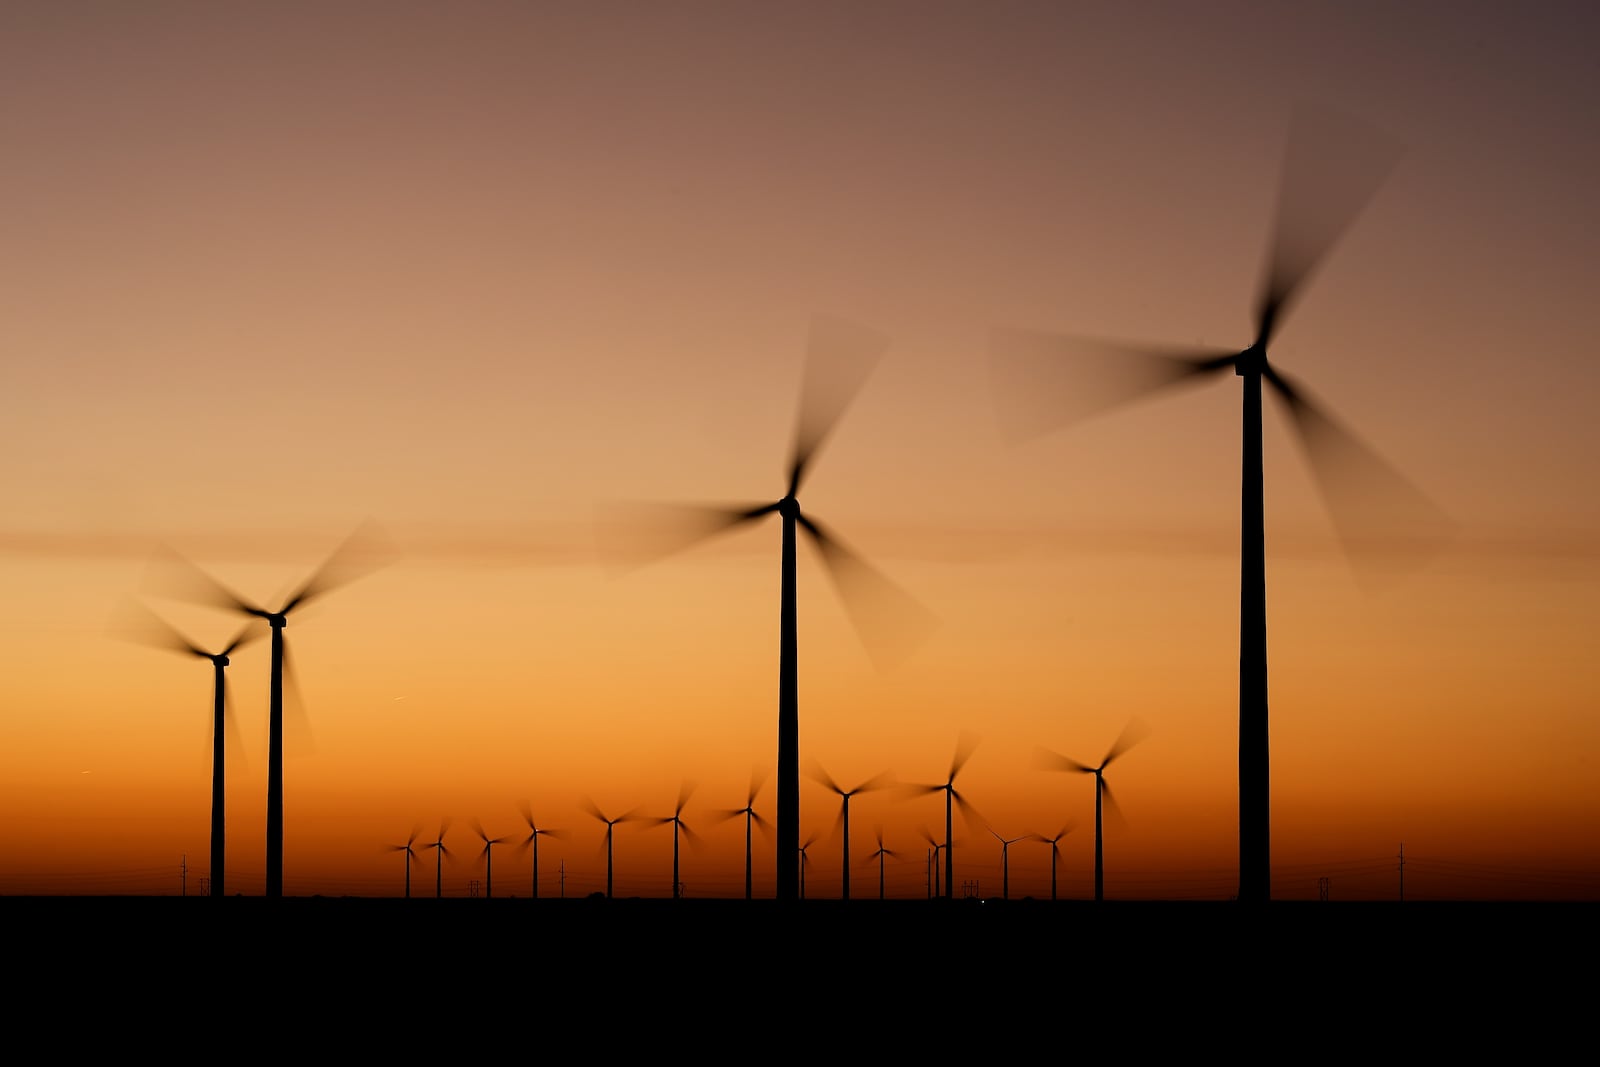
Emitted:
<point x="470" y="272"/>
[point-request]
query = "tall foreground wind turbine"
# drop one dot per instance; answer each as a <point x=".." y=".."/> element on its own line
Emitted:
<point x="151" y="629"/>
<point x="1332" y="168"/>
<point x="358" y="555"/>
<point x="1131" y="735"/>
<point x="840" y="355"/>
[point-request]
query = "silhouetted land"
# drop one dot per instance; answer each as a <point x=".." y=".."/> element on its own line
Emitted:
<point x="1456" y="977"/>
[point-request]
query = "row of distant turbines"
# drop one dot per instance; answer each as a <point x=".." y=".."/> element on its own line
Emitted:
<point x="681" y="831"/>
<point x="1332" y="169"/>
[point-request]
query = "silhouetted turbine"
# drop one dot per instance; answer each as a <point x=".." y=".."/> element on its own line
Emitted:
<point x="805" y="861"/>
<point x="150" y="629"/>
<point x="1331" y="170"/>
<point x="488" y="858"/>
<point x="964" y="746"/>
<point x="751" y="817"/>
<point x="592" y="809"/>
<point x="877" y="781"/>
<point x="678" y="826"/>
<point x="1055" y="852"/>
<point x="411" y="855"/>
<point x="1005" y="862"/>
<point x="1131" y="735"/>
<point x="840" y="355"/>
<point x="358" y="555"/>
<point x="534" y="833"/>
<point x="440" y="852"/>
<point x="934" y="881"/>
<point x="878" y="854"/>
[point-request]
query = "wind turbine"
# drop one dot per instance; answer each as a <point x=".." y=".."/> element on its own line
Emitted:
<point x="440" y="852"/>
<point x="411" y="855"/>
<point x="534" y="833"/>
<point x="878" y="854"/>
<point x="840" y="355"/>
<point x="805" y="861"/>
<point x="877" y="781"/>
<point x="356" y="556"/>
<point x="1055" y="852"/>
<point x="933" y="843"/>
<point x="1131" y="735"/>
<point x="153" y="630"/>
<point x="1005" y="862"/>
<point x="488" y="858"/>
<point x="678" y="826"/>
<point x="611" y="823"/>
<point x="964" y="746"/>
<point x="1332" y="168"/>
<point x="751" y="817"/>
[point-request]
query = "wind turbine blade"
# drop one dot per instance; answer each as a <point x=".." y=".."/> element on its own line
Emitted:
<point x="415" y="830"/>
<point x="973" y="818"/>
<point x="690" y="835"/>
<point x="1043" y="381"/>
<point x="233" y="750"/>
<point x="366" y="549"/>
<point x="839" y="357"/>
<point x="1384" y="522"/>
<point x="1113" y="810"/>
<point x="251" y="631"/>
<point x="170" y="574"/>
<point x="685" y="791"/>
<point x="632" y="534"/>
<point x="135" y="622"/>
<point x="592" y="808"/>
<point x="762" y="823"/>
<point x="298" y="738"/>
<point x="758" y="778"/>
<point x="889" y="621"/>
<point x="965" y="744"/>
<point x="1131" y="735"/>
<point x="1047" y="760"/>
<point x="815" y="772"/>
<point x="527" y="813"/>
<point x="1333" y="166"/>
<point x="881" y="780"/>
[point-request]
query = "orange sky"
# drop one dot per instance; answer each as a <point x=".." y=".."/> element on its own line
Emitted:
<point x="470" y="271"/>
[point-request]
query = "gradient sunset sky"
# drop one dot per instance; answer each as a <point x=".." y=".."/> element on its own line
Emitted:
<point x="470" y="271"/>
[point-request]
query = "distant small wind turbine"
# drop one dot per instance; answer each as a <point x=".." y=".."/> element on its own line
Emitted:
<point x="751" y="818"/>
<point x="1055" y="852"/>
<point x="1005" y="862"/>
<point x="439" y="853"/>
<point x="805" y="861"/>
<point x="534" y="833"/>
<point x="611" y="824"/>
<point x="936" y="847"/>
<point x="1131" y="735"/>
<point x="679" y="827"/>
<point x="877" y="781"/>
<point x="878" y="854"/>
<point x="964" y="746"/>
<point x="488" y="858"/>
<point x="411" y="855"/>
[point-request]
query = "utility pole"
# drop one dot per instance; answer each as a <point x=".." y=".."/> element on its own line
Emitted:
<point x="1402" y="872"/>
<point x="183" y="876"/>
